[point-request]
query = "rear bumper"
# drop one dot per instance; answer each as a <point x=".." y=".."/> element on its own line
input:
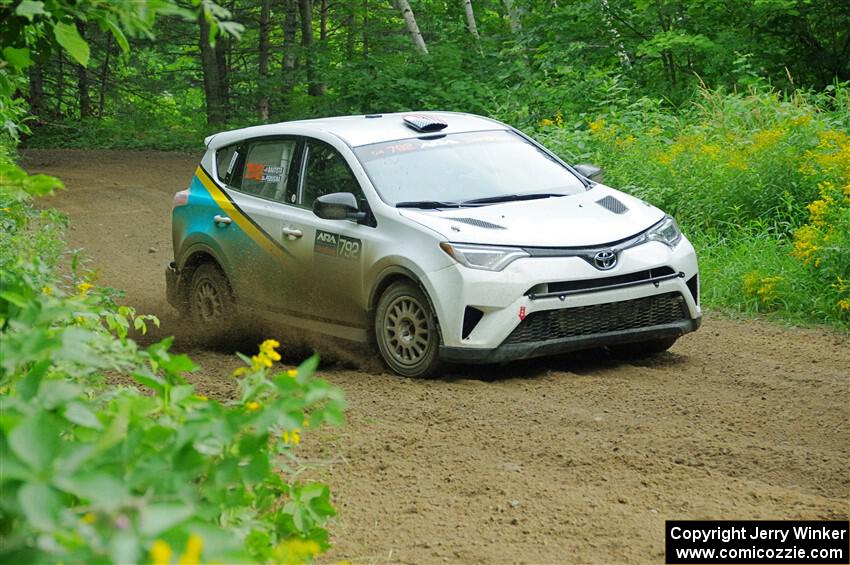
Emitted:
<point x="515" y="351"/>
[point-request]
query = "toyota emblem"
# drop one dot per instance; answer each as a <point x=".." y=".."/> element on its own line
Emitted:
<point x="605" y="260"/>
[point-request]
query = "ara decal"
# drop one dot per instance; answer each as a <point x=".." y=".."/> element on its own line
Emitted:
<point x="335" y="245"/>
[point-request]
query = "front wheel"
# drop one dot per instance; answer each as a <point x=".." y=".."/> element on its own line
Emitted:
<point x="406" y="331"/>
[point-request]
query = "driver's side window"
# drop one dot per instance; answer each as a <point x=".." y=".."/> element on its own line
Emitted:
<point x="325" y="172"/>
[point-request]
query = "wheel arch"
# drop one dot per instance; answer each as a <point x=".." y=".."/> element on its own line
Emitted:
<point x="196" y="256"/>
<point x="385" y="279"/>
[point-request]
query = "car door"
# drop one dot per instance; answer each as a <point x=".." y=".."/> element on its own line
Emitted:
<point x="330" y="253"/>
<point x="263" y="178"/>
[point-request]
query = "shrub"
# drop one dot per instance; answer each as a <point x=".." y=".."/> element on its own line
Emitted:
<point x="99" y="472"/>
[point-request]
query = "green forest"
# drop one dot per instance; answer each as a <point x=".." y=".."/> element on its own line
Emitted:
<point x="733" y="116"/>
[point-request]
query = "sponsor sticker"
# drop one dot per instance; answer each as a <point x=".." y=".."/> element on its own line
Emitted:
<point x="335" y="245"/>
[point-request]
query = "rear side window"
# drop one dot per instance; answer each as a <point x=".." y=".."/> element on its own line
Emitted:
<point x="268" y="168"/>
<point x="225" y="162"/>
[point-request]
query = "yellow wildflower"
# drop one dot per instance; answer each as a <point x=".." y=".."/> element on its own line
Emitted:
<point x="767" y="138"/>
<point x="296" y="551"/>
<point x="844" y="304"/>
<point x="805" y="243"/>
<point x="546" y="122"/>
<point x="160" y="553"/>
<point x="192" y="555"/>
<point x="240" y="372"/>
<point x="84" y="288"/>
<point x="201" y="397"/>
<point x="559" y="119"/>
<point x="292" y="373"/>
<point x="818" y="209"/>
<point x="47" y="290"/>
<point x="293" y="437"/>
<point x="88" y="518"/>
<point x="711" y="150"/>
<point x="597" y="126"/>
<point x="253" y="406"/>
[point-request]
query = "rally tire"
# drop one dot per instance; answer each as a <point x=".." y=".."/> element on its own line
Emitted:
<point x="406" y="331"/>
<point x="210" y="301"/>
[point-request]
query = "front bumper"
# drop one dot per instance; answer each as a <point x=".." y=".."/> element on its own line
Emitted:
<point x="527" y="350"/>
<point x="504" y="300"/>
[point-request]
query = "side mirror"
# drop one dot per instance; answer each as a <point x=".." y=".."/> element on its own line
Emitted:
<point x="338" y="206"/>
<point x="591" y="172"/>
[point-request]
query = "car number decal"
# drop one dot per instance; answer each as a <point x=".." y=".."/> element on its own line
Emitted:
<point x="335" y="245"/>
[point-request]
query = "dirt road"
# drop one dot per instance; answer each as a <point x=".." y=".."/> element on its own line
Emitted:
<point x="575" y="459"/>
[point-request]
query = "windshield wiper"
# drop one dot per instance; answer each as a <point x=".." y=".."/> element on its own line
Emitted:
<point x="428" y="204"/>
<point x="512" y="197"/>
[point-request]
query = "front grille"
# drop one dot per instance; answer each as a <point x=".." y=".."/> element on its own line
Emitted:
<point x="600" y="282"/>
<point x="600" y="318"/>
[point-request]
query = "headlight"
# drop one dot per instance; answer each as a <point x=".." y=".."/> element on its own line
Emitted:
<point x="666" y="231"/>
<point x="483" y="257"/>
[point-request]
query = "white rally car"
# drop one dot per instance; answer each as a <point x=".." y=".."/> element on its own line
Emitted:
<point x="438" y="236"/>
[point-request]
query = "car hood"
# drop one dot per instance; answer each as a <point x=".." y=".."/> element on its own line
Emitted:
<point x="597" y="217"/>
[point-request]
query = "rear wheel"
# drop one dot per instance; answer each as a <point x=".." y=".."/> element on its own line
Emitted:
<point x="211" y="301"/>
<point x="406" y="331"/>
<point x="641" y="349"/>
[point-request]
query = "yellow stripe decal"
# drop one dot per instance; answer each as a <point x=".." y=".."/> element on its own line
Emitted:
<point x="260" y="237"/>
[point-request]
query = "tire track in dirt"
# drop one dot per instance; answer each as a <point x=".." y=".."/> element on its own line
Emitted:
<point x="571" y="459"/>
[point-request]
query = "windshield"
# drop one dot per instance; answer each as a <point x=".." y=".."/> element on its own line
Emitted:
<point x="460" y="167"/>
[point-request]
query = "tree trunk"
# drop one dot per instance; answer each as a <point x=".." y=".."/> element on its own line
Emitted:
<point x="263" y="103"/>
<point x="104" y="76"/>
<point x="36" y="95"/>
<point x="290" y="59"/>
<point x="212" y="78"/>
<point x="83" y="85"/>
<point x="350" y="32"/>
<point x="412" y="28"/>
<point x="323" y="20"/>
<point x="60" y="86"/>
<point x="470" y="18"/>
<point x="622" y="54"/>
<point x="365" y="29"/>
<point x="314" y="88"/>
<point x="513" y="17"/>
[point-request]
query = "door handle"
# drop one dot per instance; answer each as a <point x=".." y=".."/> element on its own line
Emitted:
<point x="292" y="233"/>
<point x="219" y="219"/>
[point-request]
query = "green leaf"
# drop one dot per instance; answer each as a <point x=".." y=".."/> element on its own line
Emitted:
<point x="29" y="387"/>
<point x="157" y="518"/>
<point x="40" y="504"/>
<point x="102" y="490"/>
<point x="80" y="414"/>
<point x="55" y="393"/>
<point x="69" y="38"/>
<point x="18" y="58"/>
<point x="124" y="548"/>
<point x="118" y="35"/>
<point x="36" y="441"/>
<point x="149" y="379"/>
<point x="29" y="8"/>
